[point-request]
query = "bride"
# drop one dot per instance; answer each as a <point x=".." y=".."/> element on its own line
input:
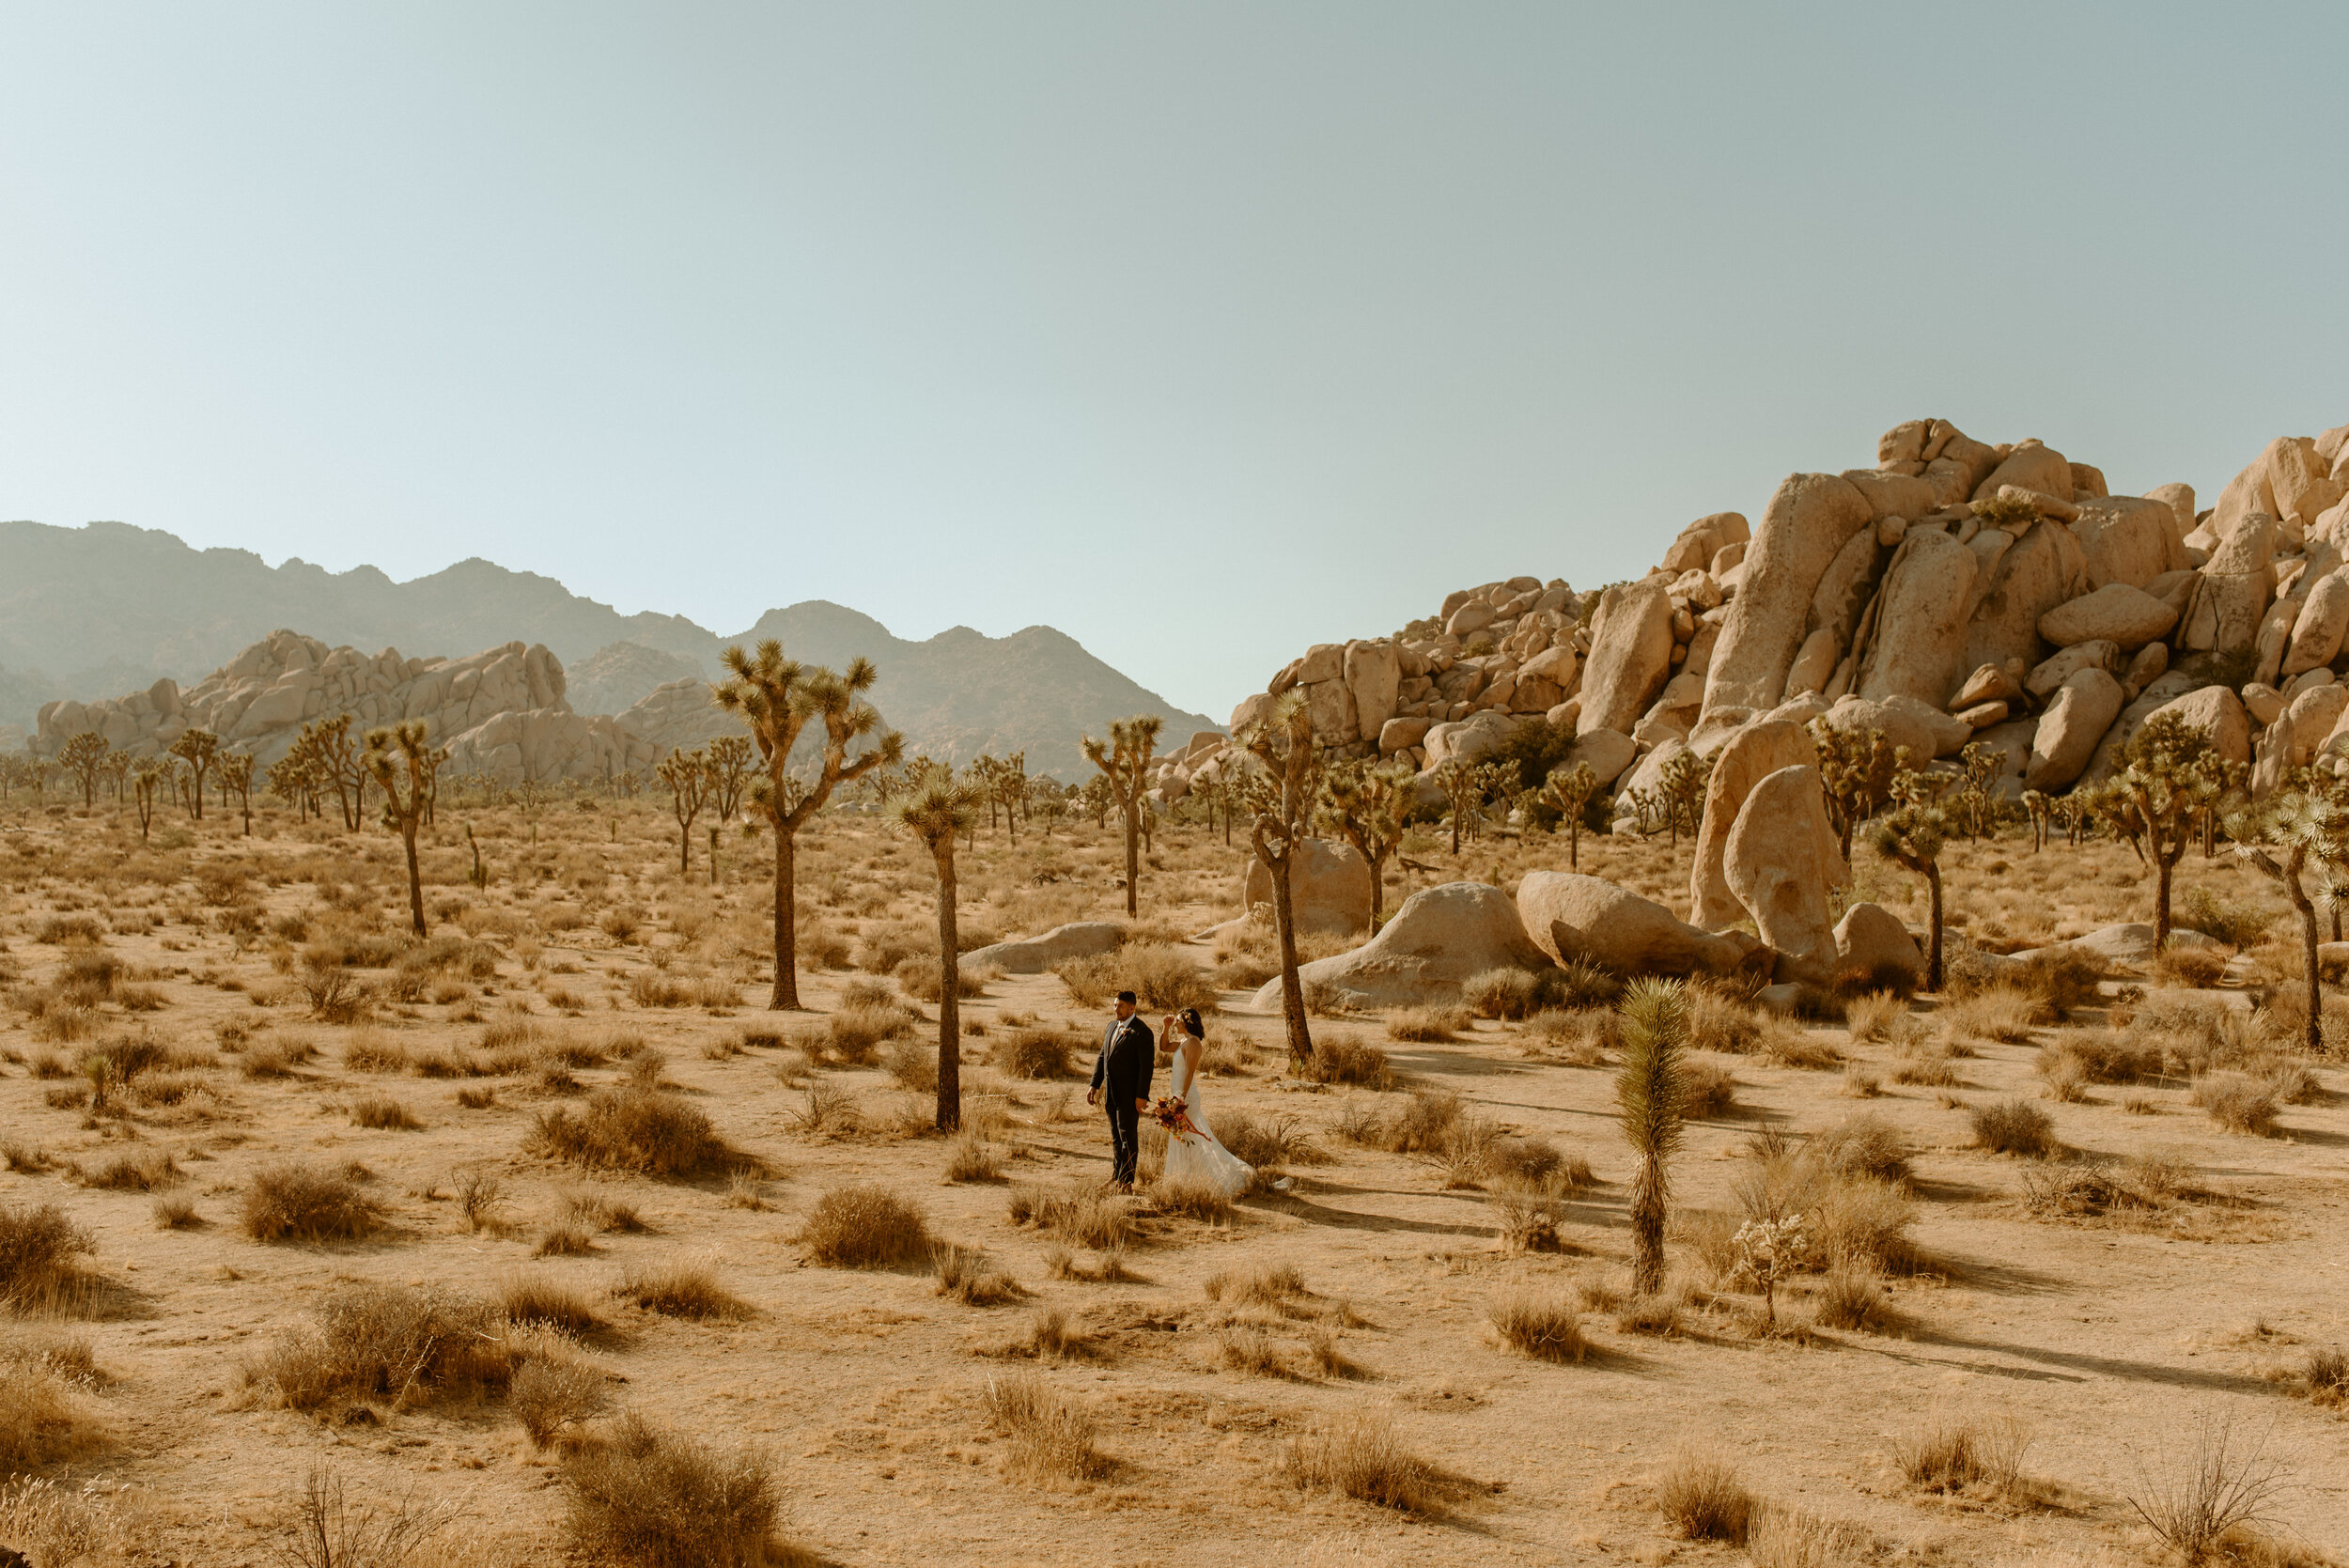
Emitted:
<point x="1195" y="1158"/>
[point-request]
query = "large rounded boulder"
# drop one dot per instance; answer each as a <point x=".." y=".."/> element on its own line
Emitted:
<point x="1328" y="888"/>
<point x="1572" y="916"/>
<point x="1440" y="938"/>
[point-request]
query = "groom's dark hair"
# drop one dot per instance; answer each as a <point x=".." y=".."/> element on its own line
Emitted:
<point x="1125" y="997"/>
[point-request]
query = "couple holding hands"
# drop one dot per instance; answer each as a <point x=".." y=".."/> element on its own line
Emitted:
<point x="1121" y="1081"/>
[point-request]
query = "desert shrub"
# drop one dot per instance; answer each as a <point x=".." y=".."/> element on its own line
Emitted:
<point x="136" y="1170"/>
<point x="2014" y="1127"/>
<point x="1707" y="1090"/>
<point x="1049" y="1436"/>
<point x="46" y="1417"/>
<point x="335" y="994"/>
<point x="968" y="1275"/>
<point x="855" y="1032"/>
<point x="1864" y="1144"/>
<point x="2061" y="979"/>
<point x="564" y="1238"/>
<point x="1782" y="1538"/>
<point x="1266" y="1143"/>
<point x="1163" y="976"/>
<point x="914" y="1067"/>
<point x="919" y="979"/>
<point x="381" y="1111"/>
<point x="1190" y="1200"/>
<point x="1998" y="1014"/>
<point x="1579" y="985"/>
<point x="2283" y="1019"/>
<point x="1722" y="1023"/>
<point x="630" y="1127"/>
<point x="551" y="1392"/>
<point x="863" y="1226"/>
<point x="1426" y="1025"/>
<point x="1580" y="1038"/>
<point x="1346" y="1059"/>
<point x="2195" y="967"/>
<point x="679" y="1287"/>
<point x="1244" y="1347"/>
<point x="1080" y="1212"/>
<point x="2325" y="1374"/>
<point x="1870" y="1016"/>
<point x="381" y="1341"/>
<point x="537" y="1299"/>
<point x="650" y="1498"/>
<point x="1034" y="1053"/>
<point x="1503" y="993"/>
<point x="1849" y="1299"/>
<point x="2238" y="923"/>
<point x="38" y="1249"/>
<point x="1546" y="1328"/>
<point x="2238" y="1102"/>
<point x="1862" y="1221"/>
<point x="1702" y="1498"/>
<point x="1943" y="1455"/>
<point x="1361" y="1457"/>
<point x="293" y="1202"/>
<point x="1787" y="1044"/>
<point x="1534" y="1161"/>
<point x="2100" y="1057"/>
<point x="62" y="930"/>
<point x="1266" y="1285"/>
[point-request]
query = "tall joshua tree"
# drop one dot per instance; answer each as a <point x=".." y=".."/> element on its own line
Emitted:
<point x="1281" y="796"/>
<point x="2280" y="837"/>
<point x="149" y="777"/>
<point x="236" y="777"/>
<point x="779" y="698"/>
<point x="729" y="770"/>
<point x="939" y="808"/>
<point x="1367" y="803"/>
<point x="1650" y="1091"/>
<point x="199" y="750"/>
<point x="85" y="757"/>
<point x="403" y="764"/>
<point x="1570" y="790"/>
<point x="2166" y="783"/>
<point x="1911" y="837"/>
<point x="689" y="776"/>
<point x="1123" y="759"/>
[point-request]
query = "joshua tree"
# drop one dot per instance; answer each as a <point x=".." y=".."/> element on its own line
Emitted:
<point x="1123" y="759"/>
<point x="938" y="809"/>
<point x="2166" y="783"/>
<point x="1007" y="787"/>
<point x="1682" y="789"/>
<point x="1911" y="837"/>
<point x="1365" y="803"/>
<point x="236" y="778"/>
<point x="1095" y="799"/>
<point x="1651" y="1094"/>
<point x="85" y="757"/>
<point x="1570" y="790"/>
<point x="689" y="776"/>
<point x="2280" y="837"/>
<point x="778" y="698"/>
<point x="1463" y="787"/>
<point x="115" y="768"/>
<point x="403" y="764"/>
<point x="149" y="777"/>
<point x="332" y="759"/>
<point x="1281" y="796"/>
<point x="199" y="750"/>
<point x="729" y="770"/>
<point x="1858" y="767"/>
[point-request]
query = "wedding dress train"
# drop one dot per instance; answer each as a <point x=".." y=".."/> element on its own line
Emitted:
<point x="1199" y="1158"/>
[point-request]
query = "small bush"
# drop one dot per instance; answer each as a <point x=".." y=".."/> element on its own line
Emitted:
<point x="1267" y="1285"/>
<point x="863" y="1226"/>
<point x="1702" y="1498"/>
<point x="1545" y="1327"/>
<point x="2014" y="1127"/>
<point x="564" y="1238"/>
<point x="1192" y="1200"/>
<point x="1082" y="1213"/>
<point x="1034" y="1053"/>
<point x="1707" y="1090"/>
<point x="632" y="1128"/>
<point x="966" y="1274"/>
<point x="292" y="1202"/>
<point x="2238" y="1103"/>
<point x="1782" y="1537"/>
<point x="1345" y="1059"/>
<point x="1945" y="1455"/>
<point x="1720" y="1023"/>
<point x="1049" y="1436"/>
<point x="650" y="1498"/>
<point x="534" y="1299"/>
<point x="1850" y="1298"/>
<point x="1427" y="1025"/>
<point x="2197" y="968"/>
<point x="1504" y="993"/>
<point x="551" y="1392"/>
<point x="382" y="1112"/>
<point x="1166" y="978"/>
<point x="136" y="1170"/>
<point x="1870" y="1016"/>
<point x="381" y="1341"/>
<point x="38" y="1249"/>
<point x="679" y="1288"/>
<point x="1862" y="1145"/>
<point x="1361" y="1457"/>
<point x="46" y="1417"/>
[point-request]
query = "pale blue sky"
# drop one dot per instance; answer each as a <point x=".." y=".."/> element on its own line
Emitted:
<point x="1202" y="332"/>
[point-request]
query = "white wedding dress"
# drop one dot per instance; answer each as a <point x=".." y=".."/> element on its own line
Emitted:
<point x="1200" y="1159"/>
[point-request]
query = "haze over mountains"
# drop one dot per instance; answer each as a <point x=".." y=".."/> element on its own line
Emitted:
<point x="99" y="611"/>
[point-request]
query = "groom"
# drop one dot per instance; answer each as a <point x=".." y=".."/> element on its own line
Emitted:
<point x="1128" y="1054"/>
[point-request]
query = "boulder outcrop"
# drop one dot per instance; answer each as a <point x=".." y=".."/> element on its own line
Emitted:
<point x="1572" y="916"/>
<point x="1441" y="938"/>
<point x="1781" y="861"/>
<point x="1328" y="888"/>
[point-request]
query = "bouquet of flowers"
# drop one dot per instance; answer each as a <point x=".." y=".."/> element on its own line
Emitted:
<point x="1174" y="1116"/>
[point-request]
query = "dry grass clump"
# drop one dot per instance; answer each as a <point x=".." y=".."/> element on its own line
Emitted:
<point x="564" y="1238"/>
<point x="1268" y="1142"/>
<point x="1427" y="1025"/>
<point x="972" y="1158"/>
<point x="679" y="1287"/>
<point x="2238" y="1102"/>
<point x="854" y="1034"/>
<point x="1190" y="1200"/>
<point x="175" y="1211"/>
<point x="2014" y="1127"/>
<point x="1702" y="1498"/>
<point x="1246" y="1348"/>
<point x="553" y="1391"/>
<point x="2208" y="1509"/>
<point x="134" y="1170"/>
<point x="1864" y="1144"/>
<point x="532" y="1297"/>
<point x="2087" y="1189"/>
<point x="1050" y="1436"/>
<point x="863" y="1226"/>
<point x="2195" y="968"/>
<point x="1869" y="1016"/>
<point x="1547" y="1328"/>
<point x="1361" y="1457"/>
<point x="650" y="1498"/>
<point x="46" y="1416"/>
<point x="632" y="1128"/>
<point x="1707" y="1088"/>
<point x="293" y="1202"/>
<point x="369" y="1341"/>
<point x="1080" y="1212"/>
<point x="1034" y="1053"/>
<point x="1339" y="1058"/>
<point x="1945" y="1454"/>
<point x="968" y="1275"/>
<point x="1578" y="1038"/>
<point x="1783" y="1538"/>
<point x="914" y="1067"/>
<point x="1265" y="1285"/>
<point x="1722" y="1023"/>
<point x="1850" y="1298"/>
<point x="1166" y="978"/>
<point x="382" y="1112"/>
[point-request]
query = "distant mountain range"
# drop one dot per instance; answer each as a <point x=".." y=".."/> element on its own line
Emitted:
<point x="102" y="610"/>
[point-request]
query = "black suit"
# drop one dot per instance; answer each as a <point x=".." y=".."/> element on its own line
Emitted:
<point x="1128" y="1054"/>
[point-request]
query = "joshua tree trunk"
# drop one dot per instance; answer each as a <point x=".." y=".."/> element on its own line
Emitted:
<point x="2307" y="908"/>
<point x="786" y="992"/>
<point x="2163" y="860"/>
<point x="1301" y="1040"/>
<point x="949" y="994"/>
<point x="1133" y="851"/>
<point x="415" y="876"/>
<point x="1933" y="948"/>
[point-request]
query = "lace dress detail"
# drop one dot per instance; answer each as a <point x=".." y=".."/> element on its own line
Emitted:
<point x="1201" y="1161"/>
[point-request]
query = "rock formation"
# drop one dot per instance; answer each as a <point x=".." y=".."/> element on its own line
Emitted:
<point x="500" y="712"/>
<point x="1440" y="938"/>
<point x="1328" y="888"/>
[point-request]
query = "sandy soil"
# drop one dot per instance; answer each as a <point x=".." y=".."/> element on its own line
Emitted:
<point x="2113" y="1341"/>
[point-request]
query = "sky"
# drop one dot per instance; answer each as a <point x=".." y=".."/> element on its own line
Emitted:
<point x="1202" y="332"/>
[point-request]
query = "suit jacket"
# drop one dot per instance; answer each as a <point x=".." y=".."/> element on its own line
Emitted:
<point x="1128" y="1054"/>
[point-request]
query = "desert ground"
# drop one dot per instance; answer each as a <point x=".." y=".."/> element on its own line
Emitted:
<point x="1977" y="1356"/>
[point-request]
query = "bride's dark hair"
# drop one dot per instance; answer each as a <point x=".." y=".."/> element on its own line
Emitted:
<point x="1189" y="1018"/>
